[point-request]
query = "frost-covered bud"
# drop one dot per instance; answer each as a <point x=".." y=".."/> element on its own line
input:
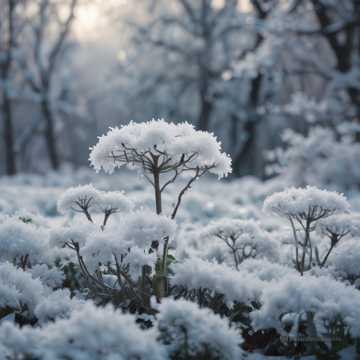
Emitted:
<point x="179" y="145"/>
<point x="188" y="330"/>
<point x="306" y="203"/>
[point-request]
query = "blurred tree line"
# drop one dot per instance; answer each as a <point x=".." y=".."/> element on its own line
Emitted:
<point x="245" y="69"/>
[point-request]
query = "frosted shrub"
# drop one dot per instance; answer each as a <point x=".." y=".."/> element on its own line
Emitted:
<point x="304" y="208"/>
<point x="346" y="260"/>
<point x="127" y="252"/>
<point x="21" y="243"/>
<point x="19" y="292"/>
<point x="89" y="333"/>
<point x="319" y="303"/>
<point x="210" y="283"/>
<point x="189" y="332"/>
<point x="244" y="238"/>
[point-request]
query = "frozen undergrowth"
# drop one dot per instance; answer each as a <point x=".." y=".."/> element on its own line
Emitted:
<point x="261" y="280"/>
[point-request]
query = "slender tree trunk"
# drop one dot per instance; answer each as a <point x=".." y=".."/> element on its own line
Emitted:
<point x="50" y="136"/>
<point x="247" y="159"/>
<point x="205" y="101"/>
<point x="8" y="136"/>
<point x="8" y="131"/>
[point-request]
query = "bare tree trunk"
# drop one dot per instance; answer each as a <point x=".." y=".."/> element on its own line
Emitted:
<point x="8" y="136"/>
<point x="50" y="136"/>
<point x="8" y="132"/>
<point x="246" y="161"/>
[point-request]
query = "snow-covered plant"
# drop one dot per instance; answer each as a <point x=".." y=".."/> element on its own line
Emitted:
<point x="56" y="305"/>
<point x="316" y="302"/>
<point x="80" y="199"/>
<point x="211" y="283"/>
<point x="88" y="201"/>
<point x="22" y="243"/>
<point x="346" y="260"/>
<point x="122" y="258"/>
<point x="89" y="333"/>
<point x="189" y="332"/>
<point x="305" y="207"/>
<point x="335" y="228"/>
<point x="162" y="152"/>
<point x="19" y="292"/>
<point x="158" y="149"/>
<point x="244" y="238"/>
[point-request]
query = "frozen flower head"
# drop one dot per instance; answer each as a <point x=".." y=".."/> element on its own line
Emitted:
<point x="234" y="229"/>
<point x="306" y="203"/>
<point x="168" y="145"/>
<point x="114" y="201"/>
<point x="79" y="199"/>
<point x="340" y="225"/>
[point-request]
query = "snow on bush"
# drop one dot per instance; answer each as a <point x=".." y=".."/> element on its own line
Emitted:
<point x="51" y="277"/>
<point x="346" y="259"/>
<point x="89" y="333"/>
<point x="217" y="278"/>
<point x="190" y="332"/>
<point x="22" y="243"/>
<point x="57" y="304"/>
<point x="18" y="290"/>
<point x="322" y="299"/>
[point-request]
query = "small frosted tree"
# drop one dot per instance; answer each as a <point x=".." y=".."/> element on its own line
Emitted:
<point x="157" y="149"/>
<point x="244" y="238"/>
<point x="162" y="152"/>
<point x="304" y="208"/>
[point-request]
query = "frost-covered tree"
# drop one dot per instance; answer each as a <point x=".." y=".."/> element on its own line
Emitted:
<point x="11" y="28"/>
<point x="48" y="45"/>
